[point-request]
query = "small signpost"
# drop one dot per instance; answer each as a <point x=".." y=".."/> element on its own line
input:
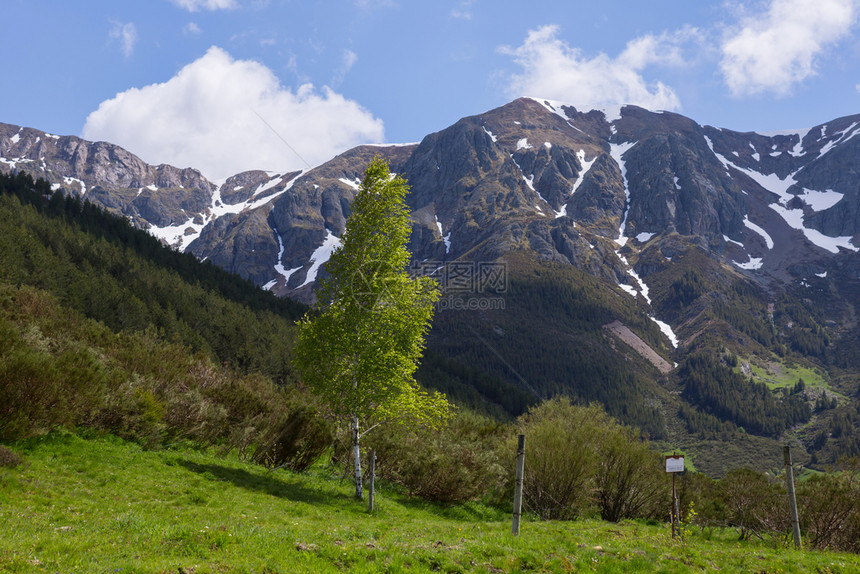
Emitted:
<point x="674" y="465"/>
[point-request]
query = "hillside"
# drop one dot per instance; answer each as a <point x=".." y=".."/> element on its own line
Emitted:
<point x="104" y="328"/>
<point x="100" y="505"/>
<point x="113" y="425"/>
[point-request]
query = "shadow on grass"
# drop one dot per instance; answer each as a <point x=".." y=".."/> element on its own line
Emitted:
<point x="463" y="511"/>
<point x="267" y="485"/>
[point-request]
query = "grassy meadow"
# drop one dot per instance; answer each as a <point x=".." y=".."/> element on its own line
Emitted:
<point x="99" y="504"/>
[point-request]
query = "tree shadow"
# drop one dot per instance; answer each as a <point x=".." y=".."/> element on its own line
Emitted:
<point x="257" y="483"/>
<point x="463" y="511"/>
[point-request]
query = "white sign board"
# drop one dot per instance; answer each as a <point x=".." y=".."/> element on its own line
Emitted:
<point x="674" y="464"/>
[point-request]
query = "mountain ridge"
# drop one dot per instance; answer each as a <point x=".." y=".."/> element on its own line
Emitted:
<point x="697" y="239"/>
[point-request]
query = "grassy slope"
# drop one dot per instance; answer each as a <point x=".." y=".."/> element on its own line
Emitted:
<point x="103" y="505"/>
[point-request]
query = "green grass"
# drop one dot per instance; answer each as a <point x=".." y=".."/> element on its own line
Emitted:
<point x="102" y="505"/>
<point x="777" y="375"/>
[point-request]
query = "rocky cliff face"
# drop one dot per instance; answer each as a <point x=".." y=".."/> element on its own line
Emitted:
<point x="153" y="196"/>
<point x="580" y="187"/>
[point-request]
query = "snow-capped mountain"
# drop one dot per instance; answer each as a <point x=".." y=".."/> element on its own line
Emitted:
<point x="580" y="185"/>
<point x="610" y="191"/>
<point x="630" y="240"/>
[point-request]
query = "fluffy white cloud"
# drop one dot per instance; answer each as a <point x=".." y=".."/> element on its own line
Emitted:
<point x="127" y="36"/>
<point x="773" y="51"/>
<point x="223" y="116"/>
<point x="552" y="69"/>
<point x="195" y="5"/>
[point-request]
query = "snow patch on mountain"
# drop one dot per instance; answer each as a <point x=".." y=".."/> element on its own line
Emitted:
<point x="611" y="113"/>
<point x="554" y="107"/>
<point x="584" y="169"/>
<point x="178" y="236"/>
<point x="751" y="265"/>
<point x="667" y="330"/>
<point x="353" y="183"/>
<point x="840" y="139"/>
<point x="617" y="152"/>
<point x="794" y="217"/>
<point x="320" y="256"/>
<point x="820" y="200"/>
<point x="72" y="180"/>
<point x="279" y="266"/>
<point x="752" y="226"/>
<point x="644" y="291"/>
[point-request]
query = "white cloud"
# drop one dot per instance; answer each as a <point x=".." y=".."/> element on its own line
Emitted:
<point x="773" y="51"/>
<point x="348" y="60"/>
<point x="463" y="11"/>
<point x="552" y="69"/>
<point x="206" y="117"/>
<point x="195" y="5"/>
<point x="191" y="29"/>
<point x="127" y="36"/>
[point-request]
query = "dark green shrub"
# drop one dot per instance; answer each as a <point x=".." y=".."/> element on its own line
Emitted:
<point x="580" y="461"/>
<point x="457" y="464"/>
<point x="830" y="511"/>
<point x="754" y="504"/>
<point x="561" y="458"/>
<point x="134" y="412"/>
<point x="9" y="458"/>
<point x="297" y="442"/>
<point x="630" y="482"/>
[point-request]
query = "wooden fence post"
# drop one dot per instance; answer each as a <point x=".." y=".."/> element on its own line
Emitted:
<point x="518" y="486"/>
<point x="792" y="501"/>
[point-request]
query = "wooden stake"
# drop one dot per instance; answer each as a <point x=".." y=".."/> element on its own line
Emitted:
<point x="518" y="486"/>
<point x="371" y="486"/>
<point x="674" y="512"/>
<point x="792" y="501"/>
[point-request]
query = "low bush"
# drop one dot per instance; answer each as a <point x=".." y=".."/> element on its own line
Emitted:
<point x="459" y="463"/>
<point x="140" y="387"/>
<point x="580" y="461"/>
<point x="297" y="442"/>
<point x="830" y="511"/>
<point x="9" y="458"/>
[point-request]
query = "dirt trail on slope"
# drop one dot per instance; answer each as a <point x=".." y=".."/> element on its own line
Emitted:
<point x="633" y="340"/>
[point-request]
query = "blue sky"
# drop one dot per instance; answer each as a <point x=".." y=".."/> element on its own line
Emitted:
<point x="226" y="85"/>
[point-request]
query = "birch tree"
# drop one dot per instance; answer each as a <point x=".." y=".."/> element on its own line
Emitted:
<point x="359" y="347"/>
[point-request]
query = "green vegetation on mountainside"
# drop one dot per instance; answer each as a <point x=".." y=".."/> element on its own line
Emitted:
<point x="548" y="339"/>
<point x="101" y="329"/>
<point x="97" y="264"/>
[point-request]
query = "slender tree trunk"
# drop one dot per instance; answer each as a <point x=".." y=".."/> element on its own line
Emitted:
<point x="356" y="457"/>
